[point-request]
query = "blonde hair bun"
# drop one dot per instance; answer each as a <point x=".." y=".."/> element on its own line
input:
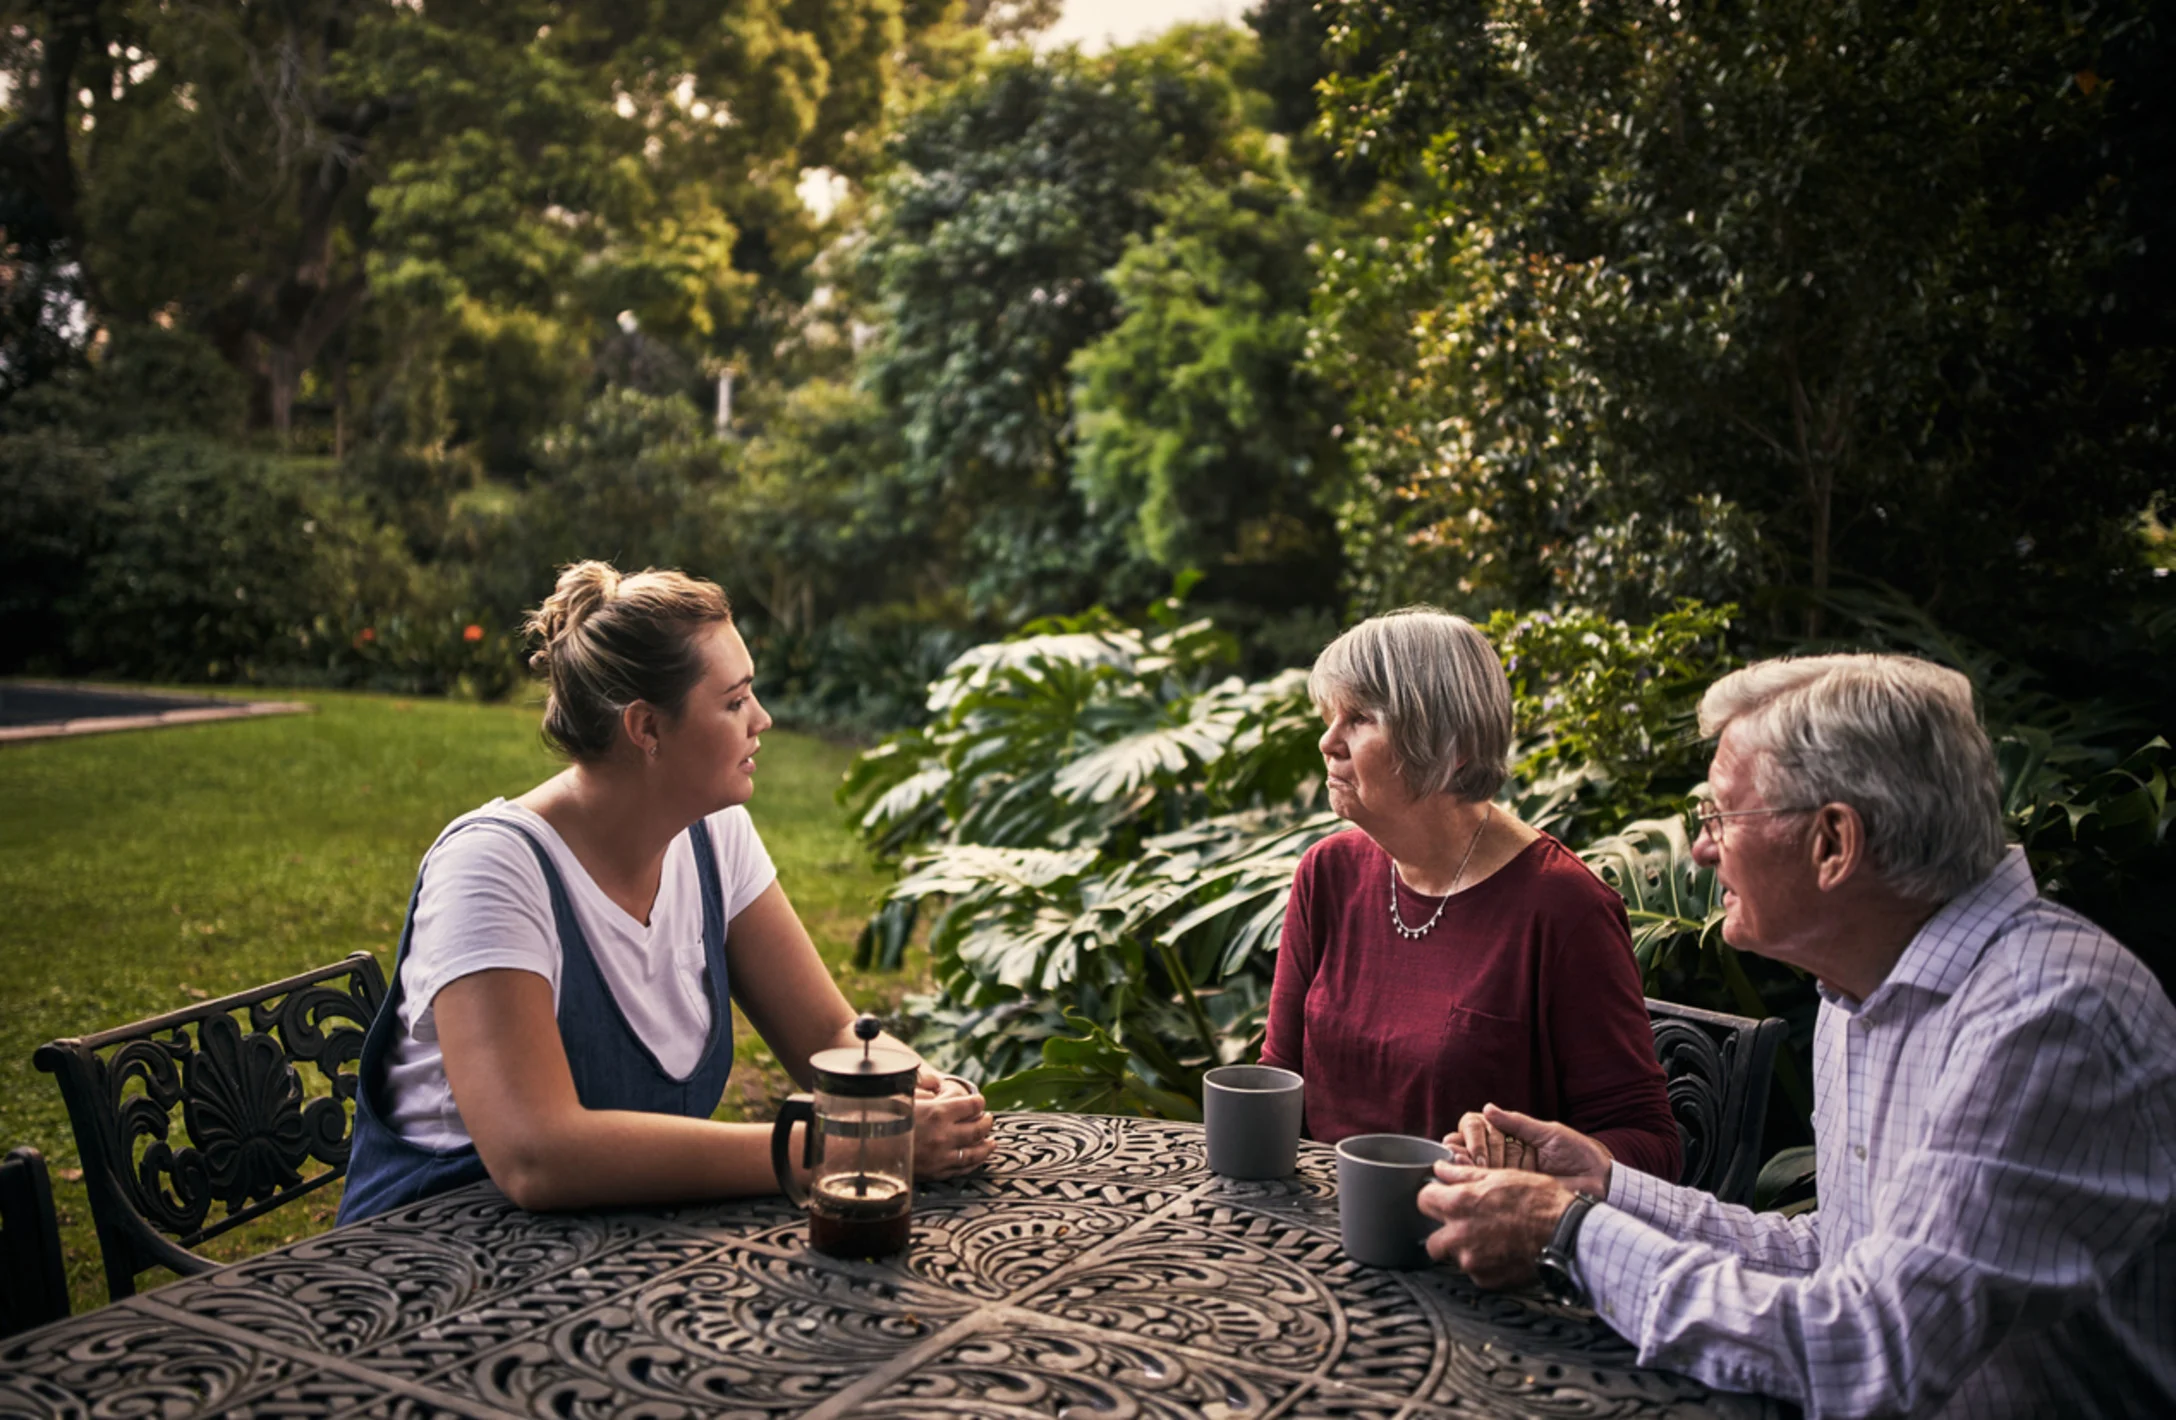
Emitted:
<point x="581" y="589"/>
<point x="607" y="640"/>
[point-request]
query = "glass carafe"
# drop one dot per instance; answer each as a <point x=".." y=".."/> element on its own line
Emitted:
<point x="858" y="1148"/>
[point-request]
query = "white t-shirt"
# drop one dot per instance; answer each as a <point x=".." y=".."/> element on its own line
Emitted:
<point x="485" y="905"/>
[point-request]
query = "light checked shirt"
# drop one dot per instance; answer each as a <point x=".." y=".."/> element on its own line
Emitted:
<point x="1996" y="1157"/>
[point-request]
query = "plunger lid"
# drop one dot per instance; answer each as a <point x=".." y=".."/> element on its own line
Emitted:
<point x="866" y="1069"/>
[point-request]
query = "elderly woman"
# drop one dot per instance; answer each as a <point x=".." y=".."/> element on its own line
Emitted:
<point x="560" y="1013"/>
<point x="1447" y="956"/>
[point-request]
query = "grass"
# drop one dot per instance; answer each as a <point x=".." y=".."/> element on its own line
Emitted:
<point x="139" y="871"/>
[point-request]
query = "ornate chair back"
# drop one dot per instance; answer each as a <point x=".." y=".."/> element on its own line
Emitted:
<point x="263" y="1080"/>
<point x="1717" y="1067"/>
<point x="37" y="1289"/>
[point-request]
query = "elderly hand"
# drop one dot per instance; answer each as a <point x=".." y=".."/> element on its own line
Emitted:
<point x="1506" y="1139"/>
<point x="952" y="1129"/>
<point x="1480" y="1144"/>
<point x="1495" y="1221"/>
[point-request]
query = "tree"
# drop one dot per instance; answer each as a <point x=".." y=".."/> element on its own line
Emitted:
<point x="819" y="521"/>
<point x="1194" y="410"/>
<point x="1702" y="298"/>
<point x="481" y="186"/>
<point x="1011" y="198"/>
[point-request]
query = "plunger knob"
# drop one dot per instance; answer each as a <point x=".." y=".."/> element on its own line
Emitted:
<point x="866" y="1029"/>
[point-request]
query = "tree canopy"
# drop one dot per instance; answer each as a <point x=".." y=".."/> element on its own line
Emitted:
<point x="1751" y="301"/>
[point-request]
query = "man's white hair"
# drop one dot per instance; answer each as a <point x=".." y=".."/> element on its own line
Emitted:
<point x="1895" y="738"/>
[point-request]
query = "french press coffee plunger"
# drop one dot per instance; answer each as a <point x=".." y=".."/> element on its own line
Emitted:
<point x="858" y="1148"/>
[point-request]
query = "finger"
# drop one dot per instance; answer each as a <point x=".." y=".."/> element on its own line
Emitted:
<point x="1473" y="1135"/>
<point x="1519" y="1126"/>
<point x="1443" y="1244"/>
<point x="1453" y="1173"/>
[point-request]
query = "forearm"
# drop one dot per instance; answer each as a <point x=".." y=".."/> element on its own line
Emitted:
<point x="1879" y="1332"/>
<point x="602" y="1158"/>
<point x="1768" y="1241"/>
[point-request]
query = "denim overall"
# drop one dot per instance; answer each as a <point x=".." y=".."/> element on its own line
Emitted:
<point x="613" y="1068"/>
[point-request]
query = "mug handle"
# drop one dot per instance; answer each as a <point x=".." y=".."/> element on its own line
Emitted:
<point x="803" y="1109"/>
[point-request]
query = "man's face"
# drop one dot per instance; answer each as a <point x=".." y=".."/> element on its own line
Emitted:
<point x="1772" y="902"/>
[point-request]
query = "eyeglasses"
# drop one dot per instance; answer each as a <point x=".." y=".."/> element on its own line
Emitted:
<point x="1711" y="818"/>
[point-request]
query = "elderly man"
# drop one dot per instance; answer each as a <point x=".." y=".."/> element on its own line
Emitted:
<point x="1995" y="1097"/>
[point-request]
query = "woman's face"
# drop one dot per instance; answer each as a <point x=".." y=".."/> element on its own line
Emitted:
<point x="712" y="745"/>
<point x="1362" y="770"/>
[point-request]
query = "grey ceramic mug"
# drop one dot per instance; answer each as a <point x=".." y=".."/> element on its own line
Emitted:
<point x="1252" y="1114"/>
<point x="1379" y="1179"/>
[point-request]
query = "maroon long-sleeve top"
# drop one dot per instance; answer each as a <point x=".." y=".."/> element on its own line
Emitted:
<point x="1524" y="995"/>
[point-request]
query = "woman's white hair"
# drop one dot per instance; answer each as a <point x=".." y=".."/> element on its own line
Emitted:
<point x="1439" y="690"/>
<point x="1893" y="737"/>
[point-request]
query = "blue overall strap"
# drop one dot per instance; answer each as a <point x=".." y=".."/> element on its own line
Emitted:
<point x="613" y="1068"/>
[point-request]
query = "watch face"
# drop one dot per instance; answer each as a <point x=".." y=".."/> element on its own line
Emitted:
<point x="1556" y="1278"/>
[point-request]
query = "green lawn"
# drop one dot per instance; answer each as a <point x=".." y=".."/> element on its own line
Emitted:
<point x="141" y="870"/>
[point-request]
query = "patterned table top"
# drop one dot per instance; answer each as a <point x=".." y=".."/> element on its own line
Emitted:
<point x="1096" y="1269"/>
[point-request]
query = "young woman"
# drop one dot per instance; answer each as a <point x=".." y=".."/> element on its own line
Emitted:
<point x="559" y="1015"/>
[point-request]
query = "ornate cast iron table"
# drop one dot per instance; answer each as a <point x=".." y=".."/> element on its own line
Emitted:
<point x="1096" y="1269"/>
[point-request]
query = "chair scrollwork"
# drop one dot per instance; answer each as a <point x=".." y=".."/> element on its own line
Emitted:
<point x="1717" y="1070"/>
<point x="255" y="1132"/>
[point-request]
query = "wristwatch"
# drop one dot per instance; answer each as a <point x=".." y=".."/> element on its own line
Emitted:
<point x="1554" y="1266"/>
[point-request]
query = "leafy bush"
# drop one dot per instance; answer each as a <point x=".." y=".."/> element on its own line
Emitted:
<point x="205" y="564"/>
<point x="177" y="557"/>
<point x="865" y="675"/>
<point x="150" y="380"/>
<point x="1607" y="712"/>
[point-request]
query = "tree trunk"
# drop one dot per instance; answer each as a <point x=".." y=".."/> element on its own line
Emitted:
<point x="34" y="149"/>
<point x="280" y="321"/>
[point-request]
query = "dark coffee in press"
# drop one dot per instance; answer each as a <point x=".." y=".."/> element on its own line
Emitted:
<point x="860" y="1215"/>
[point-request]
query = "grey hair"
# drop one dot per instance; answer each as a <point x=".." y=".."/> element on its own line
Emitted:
<point x="1895" y="738"/>
<point x="1437" y="686"/>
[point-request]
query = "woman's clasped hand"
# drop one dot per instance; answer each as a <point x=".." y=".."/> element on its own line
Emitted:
<point x="954" y="1133"/>
<point x="1494" y="1138"/>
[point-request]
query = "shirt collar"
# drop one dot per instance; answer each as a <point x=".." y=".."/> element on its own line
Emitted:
<point x="1944" y="950"/>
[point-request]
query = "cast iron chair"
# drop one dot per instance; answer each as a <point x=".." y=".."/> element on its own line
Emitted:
<point x="1717" y="1067"/>
<point x="253" y="1123"/>
<point x="37" y="1288"/>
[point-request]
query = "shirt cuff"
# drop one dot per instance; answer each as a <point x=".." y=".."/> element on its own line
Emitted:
<point x="1641" y="1194"/>
<point x="1619" y="1261"/>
